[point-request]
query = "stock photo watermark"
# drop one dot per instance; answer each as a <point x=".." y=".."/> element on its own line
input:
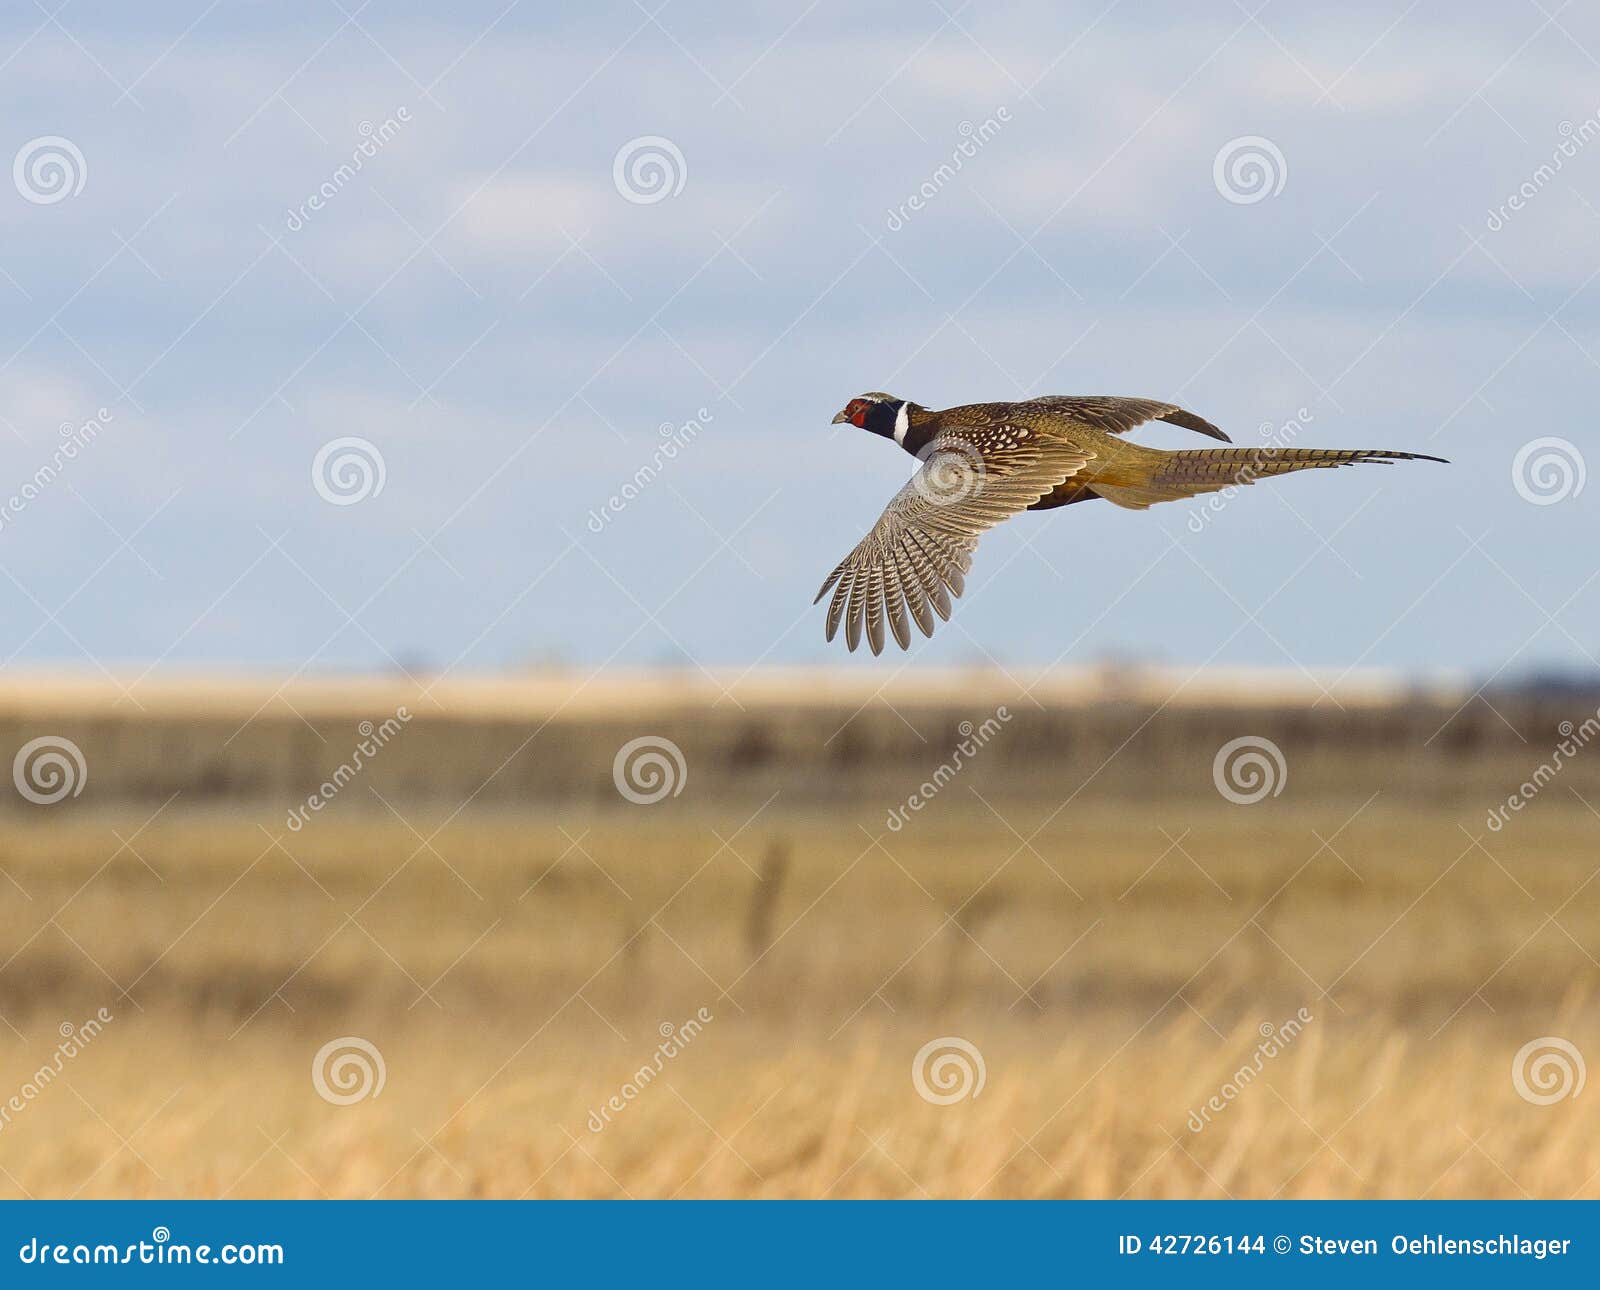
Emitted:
<point x="1249" y="769"/>
<point x="49" y="769"/>
<point x="649" y="769"/>
<point x="1574" y="138"/>
<point x="373" y="740"/>
<point x="948" y="1070"/>
<point x="1574" y="739"/>
<point x="74" y="1039"/>
<point x="48" y="170"/>
<point x="674" y="439"/>
<point x="674" y="1039"/>
<point x="953" y="469"/>
<point x="1248" y="170"/>
<point x="1274" y="1040"/>
<point x="160" y="1250"/>
<point x="374" y="138"/>
<point x="648" y="170"/>
<point x="972" y="742"/>
<point x="1548" y="470"/>
<point x="74" y="440"/>
<point x="1548" y="1070"/>
<point x="973" y="140"/>
<point x="348" y="470"/>
<point x="1273" y="437"/>
<point x="348" y="1070"/>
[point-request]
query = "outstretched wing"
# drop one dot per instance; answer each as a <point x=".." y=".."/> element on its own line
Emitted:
<point x="915" y="558"/>
<point x="1118" y="415"/>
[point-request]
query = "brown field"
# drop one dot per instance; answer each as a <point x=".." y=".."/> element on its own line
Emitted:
<point x="1112" y="954"/>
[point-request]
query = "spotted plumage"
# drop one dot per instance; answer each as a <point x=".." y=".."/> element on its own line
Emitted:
<point x="985" y="462"/>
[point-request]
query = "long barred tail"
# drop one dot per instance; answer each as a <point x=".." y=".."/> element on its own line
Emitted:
<point x="1168" y="476"/>
<point x="1218" y="467"/>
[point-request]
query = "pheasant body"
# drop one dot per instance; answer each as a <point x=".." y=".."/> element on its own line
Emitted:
<point x="984" y="462"/>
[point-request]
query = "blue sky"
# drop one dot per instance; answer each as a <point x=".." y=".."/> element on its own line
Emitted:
<point x="484" y="305"/>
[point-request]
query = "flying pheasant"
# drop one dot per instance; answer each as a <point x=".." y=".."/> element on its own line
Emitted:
<point x="985" y="462"/>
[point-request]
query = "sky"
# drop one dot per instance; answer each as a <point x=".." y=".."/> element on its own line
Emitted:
<point x="341" y="332"/>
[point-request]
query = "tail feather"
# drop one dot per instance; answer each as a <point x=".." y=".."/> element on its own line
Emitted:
<point x="1169" y="476"/>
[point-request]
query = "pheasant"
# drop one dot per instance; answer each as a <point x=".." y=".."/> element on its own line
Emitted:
<point x="984" y="462"/>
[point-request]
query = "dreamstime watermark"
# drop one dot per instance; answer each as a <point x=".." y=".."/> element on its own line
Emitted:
<point x="348" y="1070"/>
<point x="1574" y="739"/>
<point x="74" y="1039"/>
<point x="74" y="439"/>
<point x="948" y="1070"/>
<point x="973" y="139"/>
<point x="953" y="470"/>
<point x="1548" y="1070"/>
<point x="1272" y="439"/>
<point x="649" y="768"/>
<point x="1249" y="169"/>
<point x="649" y="169"/>
<point x="674" y="438"/>
<point x="1573" y="139"/>
<point x="160" y="1250"/>
<point x="373" y="139"/>
<point x="1274" y="1039"/>
<point x="674" y="1039"/>
<point x="1247" y="769"/>
<point x="48" y="769"/>
<point x="49" y="169"/>
<point x="348" y="470"/>
<point x="973" y="739"/>
<point x="1548" y="470"/>
<point x="373" y="740"/>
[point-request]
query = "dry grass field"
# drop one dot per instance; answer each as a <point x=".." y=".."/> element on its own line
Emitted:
<point x="1113" y="963"/>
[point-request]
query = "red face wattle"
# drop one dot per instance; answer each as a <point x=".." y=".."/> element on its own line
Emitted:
<point x="855" y="412"/>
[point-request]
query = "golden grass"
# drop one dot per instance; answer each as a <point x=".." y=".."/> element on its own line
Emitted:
<point x="1114" y="972"/>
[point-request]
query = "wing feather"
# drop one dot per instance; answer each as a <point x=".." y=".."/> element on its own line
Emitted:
<point x="1116" y="415"/>
<point x="924" y="565"/>
<point x="918" y="553"/>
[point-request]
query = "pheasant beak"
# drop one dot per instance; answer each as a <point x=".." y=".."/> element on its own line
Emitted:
<point x="854" y="414"/>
